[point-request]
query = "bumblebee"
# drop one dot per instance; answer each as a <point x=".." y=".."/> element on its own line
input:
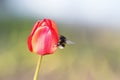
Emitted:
<point x="63" y="41"/>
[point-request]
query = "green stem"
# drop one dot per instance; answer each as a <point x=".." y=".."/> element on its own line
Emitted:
<point x="37" y="68"/>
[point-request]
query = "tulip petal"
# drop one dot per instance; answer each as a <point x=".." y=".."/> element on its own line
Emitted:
<point x="29" y="43"/>
<point x="37" y="24"/>
<point x="51" y="42"/>
<point x="53" y="27"/>
<point x="43" y="41"/>
<point x="37" y="40"/>
<point x="51" y="24"/>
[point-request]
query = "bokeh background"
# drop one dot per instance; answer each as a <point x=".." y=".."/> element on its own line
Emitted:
<point x="93" y="25"/>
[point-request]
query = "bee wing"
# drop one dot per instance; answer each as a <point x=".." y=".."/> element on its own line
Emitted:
<point x="69" y="42"/>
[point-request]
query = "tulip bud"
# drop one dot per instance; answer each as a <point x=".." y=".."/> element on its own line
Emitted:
<point x="44" y="37"/>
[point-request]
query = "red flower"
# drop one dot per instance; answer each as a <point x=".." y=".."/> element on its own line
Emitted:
<point x="44" y="37"/>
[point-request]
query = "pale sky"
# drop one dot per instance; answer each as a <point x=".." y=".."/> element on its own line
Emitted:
<point x="88" y="11"/>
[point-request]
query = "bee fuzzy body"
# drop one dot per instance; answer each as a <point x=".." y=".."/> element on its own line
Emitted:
<point x="62" y="42"/>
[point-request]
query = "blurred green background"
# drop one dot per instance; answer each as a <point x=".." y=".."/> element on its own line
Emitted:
<point x="94" y="56"/>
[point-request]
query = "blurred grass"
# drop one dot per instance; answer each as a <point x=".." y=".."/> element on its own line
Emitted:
<point x="94" y="56"/>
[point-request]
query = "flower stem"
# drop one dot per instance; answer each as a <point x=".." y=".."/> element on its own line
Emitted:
<point x="37" y="68"/>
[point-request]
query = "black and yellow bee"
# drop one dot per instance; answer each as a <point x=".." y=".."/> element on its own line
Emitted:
<point x="63" y="41"/>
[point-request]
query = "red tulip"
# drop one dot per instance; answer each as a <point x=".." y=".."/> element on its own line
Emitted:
<point x="44" y="37"/>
